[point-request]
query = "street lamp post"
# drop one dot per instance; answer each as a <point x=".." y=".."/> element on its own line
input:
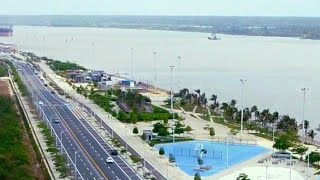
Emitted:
<point x="308" y="166"/>
<point x="155" y="69"/>
<point x="179" y="58"/>
<point x="171" y="68"/>
<point x="75" y="164"/>
<point x="242" y="103"/>
<point x="267" y="172"/>
<point x="132" y="64"/>
<point x="303" y="105"/>
<point x="61" y="141"/>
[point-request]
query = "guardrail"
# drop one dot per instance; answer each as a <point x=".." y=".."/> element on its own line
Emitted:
<point x="31" y="127"/>
<point x="148" y="165"/>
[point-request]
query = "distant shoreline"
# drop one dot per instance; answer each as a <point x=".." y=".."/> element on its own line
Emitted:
<point x="174" y="30"/>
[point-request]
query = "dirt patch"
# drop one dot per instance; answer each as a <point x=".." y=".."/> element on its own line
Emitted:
<point x="4" y="88"/>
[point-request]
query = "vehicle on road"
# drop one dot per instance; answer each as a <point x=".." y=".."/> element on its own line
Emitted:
<point x="52" y="92"/>
<point x="114" y="152"/>
<point x="40" y="103"/>
<point x="55" y="119"/>
<point x="109" y="160"/>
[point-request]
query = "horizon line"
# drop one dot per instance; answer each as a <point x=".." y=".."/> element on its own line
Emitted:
<point x="141" y="15"/>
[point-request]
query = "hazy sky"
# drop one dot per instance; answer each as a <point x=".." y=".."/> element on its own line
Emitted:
<point x="164" y="7"/>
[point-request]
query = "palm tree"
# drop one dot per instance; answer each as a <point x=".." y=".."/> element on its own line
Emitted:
<point x="203" y="100"/>
<point x="233" y="103"/>
<point x="224" y="106"/>
<point x="253" y="110"/>
<point x="311" y="135"/>
<point x="256" y="114"/>
<point x="213" y="98"/>
<point x="183" y="93"/>
<point x="306" y="127"/>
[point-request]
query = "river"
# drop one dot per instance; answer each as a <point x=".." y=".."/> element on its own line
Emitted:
<point x="275" y="68"/>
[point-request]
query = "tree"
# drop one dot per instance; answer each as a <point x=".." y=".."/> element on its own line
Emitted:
<point x="197" y="176"/>
<point x="161" y="129"/>
<point x="311" y="135"/>
<point x="234" y="131"/>
<point x="233" y="103"/>
<point x="179" y="129"/>
<point x="212" y="132"/>
<point x="213" y="98"/>
<point x="306" y="124"/>
<point x="161" y="151"/>
<point x="301" y="150"/>
<point x="242" y="176"/>
<point x="314" y="157"/>
<point x="188" y="129"/>
<point x="135" y="130"/>
<point x="251" y="126"/>
<point x="200" y="161"/>
<point x="134" y="118"/>
<point x="283" y="142"/>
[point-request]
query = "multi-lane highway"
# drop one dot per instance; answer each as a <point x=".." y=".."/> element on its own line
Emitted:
<point x="80" y="140"/>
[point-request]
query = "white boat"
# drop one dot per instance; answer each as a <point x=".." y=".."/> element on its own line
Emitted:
<point x="213" y="37"/>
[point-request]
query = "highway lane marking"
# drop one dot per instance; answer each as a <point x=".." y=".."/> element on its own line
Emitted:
<point x="102" y="159"/>
<point x="91" y="173"/>
<point x="88" y="169"/>
<point x="112" y="172"/>
<point x="98" y="154"/>
<point x="108" y="167"/>
<point x="81" y="160"/>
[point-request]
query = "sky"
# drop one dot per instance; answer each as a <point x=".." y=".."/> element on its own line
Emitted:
<point x="306" y="8"/>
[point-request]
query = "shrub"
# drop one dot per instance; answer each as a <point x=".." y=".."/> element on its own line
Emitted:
<point x="197" y="176"/>
<point x="188" y="129"/>
<point x="135" y="130"/>
<point x="161" y="151"/>
<point x="211" y="131"/>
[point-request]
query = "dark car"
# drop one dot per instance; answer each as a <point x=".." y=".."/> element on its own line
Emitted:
<point x="114" y="152"/>
<point x="52" y="92"/>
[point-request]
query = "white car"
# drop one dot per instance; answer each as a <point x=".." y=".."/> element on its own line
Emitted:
<point x="109" y="160"/>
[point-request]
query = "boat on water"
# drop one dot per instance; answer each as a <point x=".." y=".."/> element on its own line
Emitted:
<point x="213" y="37"/>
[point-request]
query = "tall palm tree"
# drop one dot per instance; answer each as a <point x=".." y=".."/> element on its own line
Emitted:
<point x="257" y="114"/>
<point x="306" y="127"/>
<point x="224" y="106"/>
<point x="311" y="135"/>
<point x="254" y="109"/>
<point x="213" y="98"/>
<point x="203" y="100"/>
<point x="233" y="103"/>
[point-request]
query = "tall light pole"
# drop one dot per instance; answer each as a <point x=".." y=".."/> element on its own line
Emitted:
<point x="61" y="141"/>
<point x="75" y="164"/>
<point x="179" y="58"/>
<point x="132" y="63"/>
<point x="242" y="103"/>
<point x="155" y="68"/>
<point x="171" y="68"/>
<point x="303" y="105"/>
<point x="308" y="166"/>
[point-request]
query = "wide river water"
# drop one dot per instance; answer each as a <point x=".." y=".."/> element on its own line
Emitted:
<point x="275" y="68"/>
